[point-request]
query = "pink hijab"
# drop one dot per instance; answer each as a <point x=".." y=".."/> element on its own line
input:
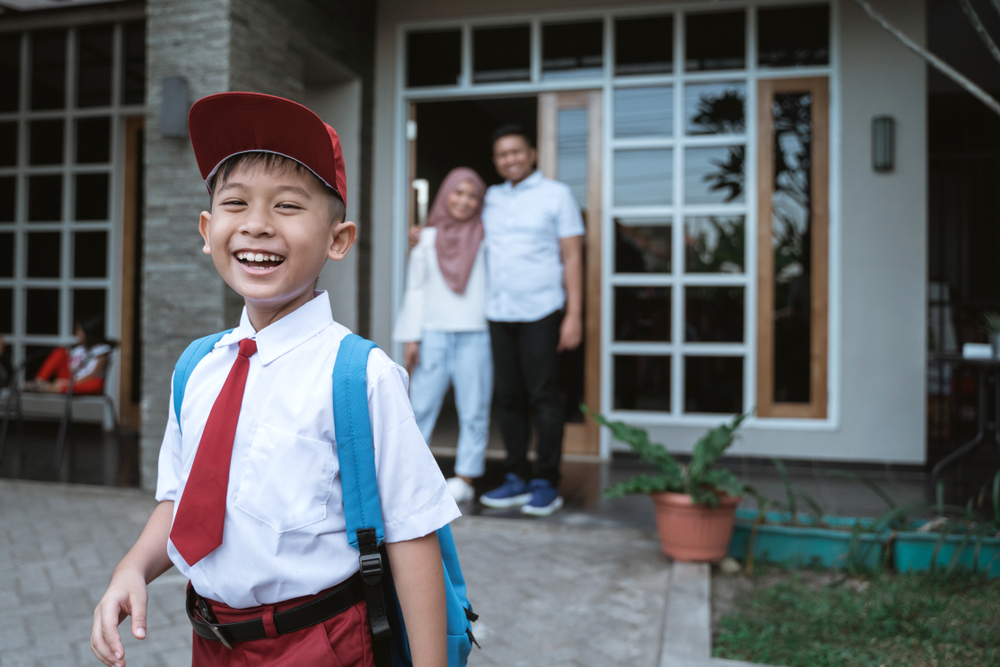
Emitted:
<point x="457" y="241"/>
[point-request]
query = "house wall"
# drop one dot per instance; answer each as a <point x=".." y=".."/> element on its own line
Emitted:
<point x="877" y="239"/>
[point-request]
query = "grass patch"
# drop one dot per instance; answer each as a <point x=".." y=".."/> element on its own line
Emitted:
<point x="919" y="620"/>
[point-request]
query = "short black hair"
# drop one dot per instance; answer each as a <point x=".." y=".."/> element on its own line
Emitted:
<point x="271" y="162"/>
<point x="508" y="129"/>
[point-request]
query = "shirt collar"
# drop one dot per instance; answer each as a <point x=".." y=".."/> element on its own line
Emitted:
<point x="287" y="333"/>
<point x="529" y="182"/>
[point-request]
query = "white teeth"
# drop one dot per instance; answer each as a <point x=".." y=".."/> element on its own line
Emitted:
<point x="259" y="257"/>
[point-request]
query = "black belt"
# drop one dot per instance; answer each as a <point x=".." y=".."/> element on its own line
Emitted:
<point x="340" y="599"/>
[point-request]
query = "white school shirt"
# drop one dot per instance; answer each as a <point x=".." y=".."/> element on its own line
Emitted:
<point x="285" y="533"/>
<point x="429" y="304"/>
<point x="524" y="224"/>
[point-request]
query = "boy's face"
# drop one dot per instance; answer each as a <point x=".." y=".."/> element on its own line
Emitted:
<point x="269" y="234"/>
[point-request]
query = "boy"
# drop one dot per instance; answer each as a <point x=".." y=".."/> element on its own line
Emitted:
<point x="250" y="508"/>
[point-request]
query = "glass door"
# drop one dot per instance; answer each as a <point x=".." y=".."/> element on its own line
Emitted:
<point x="569" y="150"/>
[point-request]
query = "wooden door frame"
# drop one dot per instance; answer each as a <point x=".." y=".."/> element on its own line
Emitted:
<point x="130" y="414"/>
<point x="581" y="439"/>
<point x="816" y="408"/>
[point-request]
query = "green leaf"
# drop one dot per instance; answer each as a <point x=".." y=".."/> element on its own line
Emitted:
<point x="643" y="484"/>
<point x="876" y="489"/>
<point x="789" y="491"/>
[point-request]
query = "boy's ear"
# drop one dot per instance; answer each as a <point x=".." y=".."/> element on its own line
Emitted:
<point x="203" y="221"/>
<point x="343" y="237"/>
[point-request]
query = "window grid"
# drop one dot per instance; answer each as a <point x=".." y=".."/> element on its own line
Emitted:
<point x="19" y="339"/>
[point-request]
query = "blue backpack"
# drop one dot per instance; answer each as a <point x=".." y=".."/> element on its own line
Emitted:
<point x="363" y="511"/>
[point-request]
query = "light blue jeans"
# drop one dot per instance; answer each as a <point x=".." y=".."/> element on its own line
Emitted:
<point x="462" y="359"/>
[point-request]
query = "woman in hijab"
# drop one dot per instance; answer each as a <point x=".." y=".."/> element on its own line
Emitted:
<point x="443" y="323"/>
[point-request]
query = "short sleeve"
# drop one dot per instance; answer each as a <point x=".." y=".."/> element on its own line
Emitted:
<point x="170" y="465"/>
<point x="413" y="493"/>
<point x="569" y="222"/>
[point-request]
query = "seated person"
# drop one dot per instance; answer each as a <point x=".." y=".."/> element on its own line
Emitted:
<point x="86" y="363"/>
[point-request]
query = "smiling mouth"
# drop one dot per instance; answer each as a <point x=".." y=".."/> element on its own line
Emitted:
<point x="257" y="260"/>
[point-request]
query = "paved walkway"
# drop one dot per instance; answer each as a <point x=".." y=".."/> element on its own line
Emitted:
<point x="549" y="594"/>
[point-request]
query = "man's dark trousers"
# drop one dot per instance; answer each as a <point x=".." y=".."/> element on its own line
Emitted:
<point x="526" y="382"/>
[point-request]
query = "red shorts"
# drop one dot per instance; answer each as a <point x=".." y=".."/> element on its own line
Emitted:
<point x="342" y="641"/>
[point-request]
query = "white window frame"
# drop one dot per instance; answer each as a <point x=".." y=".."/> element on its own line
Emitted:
<point x="607" y="82"/>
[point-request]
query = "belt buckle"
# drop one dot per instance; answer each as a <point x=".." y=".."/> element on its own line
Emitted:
<point x="203" y="610"/>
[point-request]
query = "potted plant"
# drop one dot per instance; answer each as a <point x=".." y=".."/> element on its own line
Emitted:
<point x="991" y="322"/>
<point x="695" y="504"/>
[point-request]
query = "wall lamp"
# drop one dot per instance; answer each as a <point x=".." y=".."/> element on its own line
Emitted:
<point x="883" y="143"/>
<point x="174" y="107"/>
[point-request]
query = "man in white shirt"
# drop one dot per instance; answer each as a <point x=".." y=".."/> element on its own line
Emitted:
<point x="534" y="304"/>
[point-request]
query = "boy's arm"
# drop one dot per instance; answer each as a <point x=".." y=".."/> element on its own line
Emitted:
<point x="126" y="594"/>
<point x="419" y="581"/>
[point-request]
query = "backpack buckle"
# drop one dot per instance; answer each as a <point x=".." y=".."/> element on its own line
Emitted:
<point x="371" y="568"/>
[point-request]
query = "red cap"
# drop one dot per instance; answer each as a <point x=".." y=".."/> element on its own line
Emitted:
<point x="226" y="124"/>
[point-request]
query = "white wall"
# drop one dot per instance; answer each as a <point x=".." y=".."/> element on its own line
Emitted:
<point x="340" y="107"/>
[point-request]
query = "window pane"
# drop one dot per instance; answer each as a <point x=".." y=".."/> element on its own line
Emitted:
<point x="48" y="69"/>
<point x="642" y="382"/>
<point x="45" y="198"/>
<point x="501" y="54"/>
<point x="6" y="312"/>
<point x="93" y="140"/>
<point x="715" y="108"/>
<point x="46" y="139"/>
<point x="713" y="314"/>
<point x="571" y="149"/>
<point x="91" y="197"/>
<point x="644" y="45"/>
<point x="42" y="312"/>
<point x="714" y="244"/>
<point x="644" y="178"/>
<point x="10" y="71"/>
<point x="572" y="50"/>
<point x="87" y="303"/>
<point x="644" y="112"/>
<point x="715" y="41"/>
<point x="8" y="144"/>
<point x="7" y="255"/>
<point x="713" y="175"/>
<point x="791" y="222"/>
<point x="793" y="36"/>
<point x="8" y="201"/>
<point x="433" y="58"/>
<point x="641" y="247"/>
<point x="93" y="83"/>
<point x="90" y="255"/>
<point x="44" y="256"/>
<point x="134" y="66"/>
<point x="642" y="314"/>
<point x="713" y="384"/>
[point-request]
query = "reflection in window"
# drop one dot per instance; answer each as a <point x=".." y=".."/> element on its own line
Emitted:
<point x="44" y="256"/>
<point x="644" y="177"/>
<point x="433" y="58"/>
<point x="93" y="80"/>
<point x="501" y="54"/>
<point x="572" y="50"/>
<point x="642" y="247"/>
<point x="45" y="198"/>
<point x="46" y="139"/>
<point x="713" y="314"/>
<point x="644" y="112"/>
<point x="793" y="36"/>
<point x="93" y="140"/>
<point x="10" y="71"/>
<point x="48" y="69"/>
<point x="91" y="197"/>
<point x="714" y="175"/>
<point x="791" y="205"/>
<point x="714" y="244"/>
<point x="8" y="144"/>
<point x="715" y="41"/>
<point x="713" y="385"/>
<point x="715" y="108"/>
<point x="134" y="62"/>
<point x="6" y="312"/>
<point x="642" y="314"/>
<point x="6" y="255"/>
<point x="42" y="316"/>
<point x="644" y="45"/>
<point x="8" y="201"/>
<point x="571" y="151"/>
<point x="642" y="382"/>
<point x="90" y="255"/>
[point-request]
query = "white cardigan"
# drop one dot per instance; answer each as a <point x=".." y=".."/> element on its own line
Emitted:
<point x="430" y="304"/>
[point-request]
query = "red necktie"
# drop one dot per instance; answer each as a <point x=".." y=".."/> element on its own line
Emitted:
<point x="197" y="529"/>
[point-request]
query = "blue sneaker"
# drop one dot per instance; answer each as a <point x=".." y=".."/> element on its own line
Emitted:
<point x="545" y="499"/>
<point x="513" y="492"/>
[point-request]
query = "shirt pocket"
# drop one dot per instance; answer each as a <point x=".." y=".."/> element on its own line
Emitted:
<point x="287" y="479"/>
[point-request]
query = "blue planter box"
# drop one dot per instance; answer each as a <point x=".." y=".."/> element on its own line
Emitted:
<point x="914" y="552"/>
<point x="804" y="545"/>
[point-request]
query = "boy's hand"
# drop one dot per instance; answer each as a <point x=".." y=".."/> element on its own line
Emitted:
<point x="126" y="596"/>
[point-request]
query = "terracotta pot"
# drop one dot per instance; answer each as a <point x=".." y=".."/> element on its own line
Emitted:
<point x="694" y="532"/>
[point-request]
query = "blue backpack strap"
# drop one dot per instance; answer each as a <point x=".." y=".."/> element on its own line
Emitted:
<point x="194" y="353"/>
